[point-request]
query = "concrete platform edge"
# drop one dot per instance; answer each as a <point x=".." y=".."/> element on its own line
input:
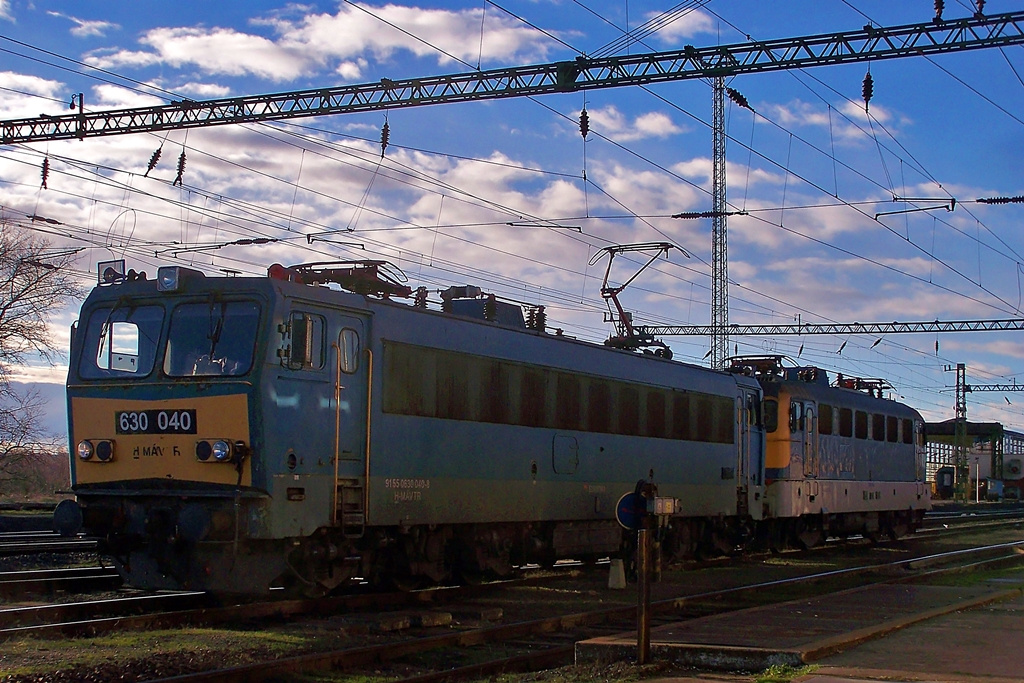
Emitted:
<point x="737" y="658"/>
<point x="828" y="646"/>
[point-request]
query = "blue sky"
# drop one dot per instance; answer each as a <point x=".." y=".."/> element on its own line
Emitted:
<point x="811" y="168"/>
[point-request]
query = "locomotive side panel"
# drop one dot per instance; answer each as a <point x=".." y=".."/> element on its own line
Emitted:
<point x="479" y="423"/>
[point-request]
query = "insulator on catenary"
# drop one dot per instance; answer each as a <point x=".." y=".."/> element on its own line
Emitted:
<point x="46" y="171"/>
<point x="939" y="6"/>
<point x="867" y="89"/>
<point x="385" y="136"/>
<point x="584" y="123"/>
<point x="181" y="169"/>
<point x="420" y="298"/>
<point x="1019" y="199"/>
<point x="153" y="161"/>
<point x="737" y="97"/>
<point x="980" y="4"/>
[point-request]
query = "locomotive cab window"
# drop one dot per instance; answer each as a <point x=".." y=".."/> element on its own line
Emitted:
<point x="121" y="341"/>
<point x="348" y="344"/>
<point x="307" y="341"/>
<point x="212" y="338"/>
<point x="771" y="415"/>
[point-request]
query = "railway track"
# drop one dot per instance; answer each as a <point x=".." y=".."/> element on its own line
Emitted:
<point x="32" y="542"/>
<point x="17" y="585"/>
<point x="549" y="642"/>
<point x="524" y="643"/>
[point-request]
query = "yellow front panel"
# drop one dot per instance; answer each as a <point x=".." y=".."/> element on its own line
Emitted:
<point x="164" y="456"/>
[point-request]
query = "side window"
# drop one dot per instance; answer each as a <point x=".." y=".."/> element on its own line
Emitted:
<point x="307" y="345"/>
<point x="878" y="427"/>
<point x="860" y="424"/>
<point x="892" y="432"/>
<point x="824" y="419"/>
<point x="845" y="422"/>
<point x="348" y="344"/>
<point x="567" y="402"/>
<point x="908" y="431"/>
<point x="771" y="415"/>
<point x="796" y="416"/>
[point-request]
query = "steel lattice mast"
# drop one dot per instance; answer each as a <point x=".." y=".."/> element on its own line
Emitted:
<point x="583" y="73"/>
<point x="719" y="234"/>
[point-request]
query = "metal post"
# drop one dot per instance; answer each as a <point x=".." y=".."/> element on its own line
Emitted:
<point x="643" y="590"/>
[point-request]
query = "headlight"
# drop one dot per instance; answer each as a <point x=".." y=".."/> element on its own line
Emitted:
<point x="103" y="450"/>
<point x="203" y="451"/>
<point x="171" y="278"/>
<point x="85" y="449"/>
<point x="221" y="451"/>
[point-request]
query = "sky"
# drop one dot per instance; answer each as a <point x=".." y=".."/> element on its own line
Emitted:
<point x="508" y="195"/>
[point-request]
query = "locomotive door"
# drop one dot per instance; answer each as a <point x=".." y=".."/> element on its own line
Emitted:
<point x="352" y="359"/>
<point x="809" y="436"/>
<point x="750" y="453"/>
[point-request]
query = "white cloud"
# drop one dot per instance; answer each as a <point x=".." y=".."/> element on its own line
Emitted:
<point x="689" y="25"/>
<point x="203" y="90"/>
<point x="217" y="51"/>
<point x="27" y="96"/>
<point x="613" y="124"/>
<point x="85" y="28"/>
<point x="340" y="43"/>
<point x="5" y="10"/>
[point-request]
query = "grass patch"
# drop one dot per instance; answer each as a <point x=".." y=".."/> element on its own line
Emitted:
<point x="974" y="577"/>
<point x="783" y="673"/>
<point x="35" y="656"/>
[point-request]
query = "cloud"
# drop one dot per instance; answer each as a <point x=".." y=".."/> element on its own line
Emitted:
<point x="215" y="51"/>
<point x="5" y="10"/>
<point x="615" y="125"/>
<point x="848" y="123"/>
<point x="85" y="28"/>
<point x="687" y="26"/>
<point x="24" y="95"/>
<point x="342" y="43"/>
<point x="203" y="90"/>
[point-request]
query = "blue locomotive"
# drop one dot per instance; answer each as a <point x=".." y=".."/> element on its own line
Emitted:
<point x="305" y="430"/>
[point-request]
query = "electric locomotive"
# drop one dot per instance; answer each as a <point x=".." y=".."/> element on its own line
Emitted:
<point x="306" y="431"/>
<point x="235" y="434"/>
<point x="840" y="459"/>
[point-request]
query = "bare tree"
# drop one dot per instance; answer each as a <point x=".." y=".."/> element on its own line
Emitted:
<point x="35" y="283"/>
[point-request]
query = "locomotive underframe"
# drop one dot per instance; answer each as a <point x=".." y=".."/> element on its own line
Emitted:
<point x="175" y="542"/>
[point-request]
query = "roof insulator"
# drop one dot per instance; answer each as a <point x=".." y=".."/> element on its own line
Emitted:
<point x="584" y="123"/>
<point x="181" y="168"/>
<point x="737" y="97"/>
<point x="153" y="160"/>
<point x="867" y="89"/>
<point x="46" y="171"/>
<point x="385" y="136"/>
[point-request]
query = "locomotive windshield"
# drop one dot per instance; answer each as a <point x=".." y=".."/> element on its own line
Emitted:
<point x="121" y="341"/>
<point x="212" y="338"/>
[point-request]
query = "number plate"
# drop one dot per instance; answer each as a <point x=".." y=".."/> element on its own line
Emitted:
<point x="155" y="421"/>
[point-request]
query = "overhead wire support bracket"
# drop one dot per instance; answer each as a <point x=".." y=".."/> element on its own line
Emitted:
<point x="840" y="328"/>
<point x="583" y="73"/>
